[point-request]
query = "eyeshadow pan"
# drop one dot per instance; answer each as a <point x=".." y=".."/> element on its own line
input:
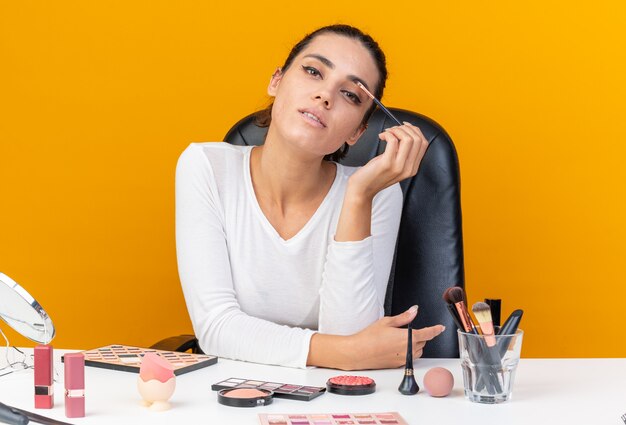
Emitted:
<point x="289" y="387"/>
<point x="276" y="420"/>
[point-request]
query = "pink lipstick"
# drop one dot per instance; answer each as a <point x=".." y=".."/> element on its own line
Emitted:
<point x="44" y="389"/>
<point x="74" y="385"/>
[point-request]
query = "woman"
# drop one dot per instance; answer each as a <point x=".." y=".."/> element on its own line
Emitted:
<point x="284" y="255"/>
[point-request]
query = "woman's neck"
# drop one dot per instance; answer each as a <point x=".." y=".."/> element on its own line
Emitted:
<point x="284" y="178"/>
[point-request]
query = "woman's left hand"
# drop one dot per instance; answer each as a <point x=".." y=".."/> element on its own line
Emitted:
<point x="406" y="146"/>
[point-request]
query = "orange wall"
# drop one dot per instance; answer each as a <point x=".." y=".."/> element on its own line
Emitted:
<point x="98" y="99"/>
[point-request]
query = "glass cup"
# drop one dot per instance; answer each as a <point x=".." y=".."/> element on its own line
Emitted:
<point x="489" y="365"/>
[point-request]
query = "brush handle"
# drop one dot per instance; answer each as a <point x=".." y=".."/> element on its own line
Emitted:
<point x="10" y="416"/>
<point x="409" y="347"/>
<point x="509" y="328"/>
<point x="387" y="111"/>
<point x="455" y="316"/>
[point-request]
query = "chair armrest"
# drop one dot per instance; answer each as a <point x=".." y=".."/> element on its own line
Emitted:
<point x="179" y="343"/>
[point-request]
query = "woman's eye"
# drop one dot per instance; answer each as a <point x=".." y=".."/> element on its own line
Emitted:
<point x="353" y="97"/>
<point x="312" y="71"/>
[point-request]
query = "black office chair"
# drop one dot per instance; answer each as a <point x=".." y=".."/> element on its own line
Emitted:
<point x="429" y="252"/>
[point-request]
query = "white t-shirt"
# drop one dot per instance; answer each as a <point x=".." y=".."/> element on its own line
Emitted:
<point x="254" y="296"/>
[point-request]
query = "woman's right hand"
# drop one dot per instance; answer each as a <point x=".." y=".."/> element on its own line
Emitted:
<point x="382" y="345"/>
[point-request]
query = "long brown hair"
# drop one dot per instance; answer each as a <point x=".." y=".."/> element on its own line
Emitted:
<point x="264" y="117"/>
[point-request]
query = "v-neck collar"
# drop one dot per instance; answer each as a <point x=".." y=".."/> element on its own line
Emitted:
<point x="261" y="215"/>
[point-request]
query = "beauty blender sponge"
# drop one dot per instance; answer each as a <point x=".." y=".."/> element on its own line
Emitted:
<point x="156" y="367"/>
<point x="438" y="382"/>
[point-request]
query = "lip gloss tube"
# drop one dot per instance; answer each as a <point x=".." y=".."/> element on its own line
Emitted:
<point x="74" y="385"/>
<point x="44" y="387"/>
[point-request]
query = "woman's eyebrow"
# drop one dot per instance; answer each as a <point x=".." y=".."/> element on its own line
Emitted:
<point x="331" y="65"/>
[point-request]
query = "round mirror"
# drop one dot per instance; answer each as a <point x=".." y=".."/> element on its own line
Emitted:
<point x="23" y="313"/>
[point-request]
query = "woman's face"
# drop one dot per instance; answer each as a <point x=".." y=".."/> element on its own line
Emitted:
<point x="317" y="104"/>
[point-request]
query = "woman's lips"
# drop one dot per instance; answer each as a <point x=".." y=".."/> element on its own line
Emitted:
<point x="312" y="118"/>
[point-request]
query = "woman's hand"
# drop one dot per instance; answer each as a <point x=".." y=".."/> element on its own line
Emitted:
<point x="382" y="345"/>
<point x="406" y="146"/>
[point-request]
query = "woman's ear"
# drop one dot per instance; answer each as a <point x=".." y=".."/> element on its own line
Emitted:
<point x="357" y="134"/>
<point x="274" y="82"/>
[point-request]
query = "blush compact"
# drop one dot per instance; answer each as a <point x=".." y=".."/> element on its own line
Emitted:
<point x="245" y="397"/>
<point x="351" y="385"/>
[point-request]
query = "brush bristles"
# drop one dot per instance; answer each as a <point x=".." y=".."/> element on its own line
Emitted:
<point x="482" y="312"/>
<point x="456" y="294"/>
<point x="446" y="296"/>
<point x="367" y="92"/>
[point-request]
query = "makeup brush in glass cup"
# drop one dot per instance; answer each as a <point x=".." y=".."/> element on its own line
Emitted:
<point x="483" y="315"/>
<point x="378" y="102"/>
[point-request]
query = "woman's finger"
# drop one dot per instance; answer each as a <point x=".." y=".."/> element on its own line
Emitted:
<point x="426" y="334"/>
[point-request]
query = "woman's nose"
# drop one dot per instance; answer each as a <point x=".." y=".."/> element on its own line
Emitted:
<point x="324" y="98"/>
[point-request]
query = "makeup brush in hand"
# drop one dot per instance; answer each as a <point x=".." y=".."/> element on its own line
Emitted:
<point x="483" y="315"/>
<point x="408" y="386"/>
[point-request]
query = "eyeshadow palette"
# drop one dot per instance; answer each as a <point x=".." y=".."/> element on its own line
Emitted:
<point x="390" y="418"/>
<point x="128" y="359"/>
<point x="290" y="391"/>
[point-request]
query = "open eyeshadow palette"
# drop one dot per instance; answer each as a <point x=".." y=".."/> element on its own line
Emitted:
<point x="391" y="418"/>
<point x="290" y="391"/>
<point x="127" y="358"/>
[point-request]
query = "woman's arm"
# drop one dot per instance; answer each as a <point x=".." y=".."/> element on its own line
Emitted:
<point x="352" y="294"/>
<point x="206" y="278"/>
<point x="359" y="258"/>
<point x="381" y="345"/>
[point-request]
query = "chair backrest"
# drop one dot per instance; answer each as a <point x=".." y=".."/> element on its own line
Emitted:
<point x="429" y="253"/>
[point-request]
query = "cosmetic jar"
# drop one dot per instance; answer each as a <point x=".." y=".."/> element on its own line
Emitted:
<point x="351" y="385"/>
<point x="245" y="397"/>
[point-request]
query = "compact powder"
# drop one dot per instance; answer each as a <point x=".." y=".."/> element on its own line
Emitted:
<point x="245" y="397"/>
<point x="351" y="385"/>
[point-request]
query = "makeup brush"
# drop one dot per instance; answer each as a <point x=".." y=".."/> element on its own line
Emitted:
<point x="456" y="296"/>
<point x="378" y="102"/>
<point x="509" y="328"/>
<point x="483" y="315"/>
<point x="408" y="386"/>
<point x="452" y="310"/>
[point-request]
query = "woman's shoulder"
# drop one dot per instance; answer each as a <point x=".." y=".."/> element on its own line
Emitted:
<point x="221" y="150"/>
<point x="213" y="154"/>
<point x="212" y="160"/>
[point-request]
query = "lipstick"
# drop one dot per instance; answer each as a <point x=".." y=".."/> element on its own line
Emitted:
<point x="44" y="389"/>
<point x="74" y="385"/>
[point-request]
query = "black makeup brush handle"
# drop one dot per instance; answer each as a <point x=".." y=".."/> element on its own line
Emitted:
<point x="509" y="328"/>
<point x="489" y="363"/>
<point x="10" y="416"/>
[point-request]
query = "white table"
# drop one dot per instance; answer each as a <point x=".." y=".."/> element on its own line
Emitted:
<point x="546" y="391"/>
